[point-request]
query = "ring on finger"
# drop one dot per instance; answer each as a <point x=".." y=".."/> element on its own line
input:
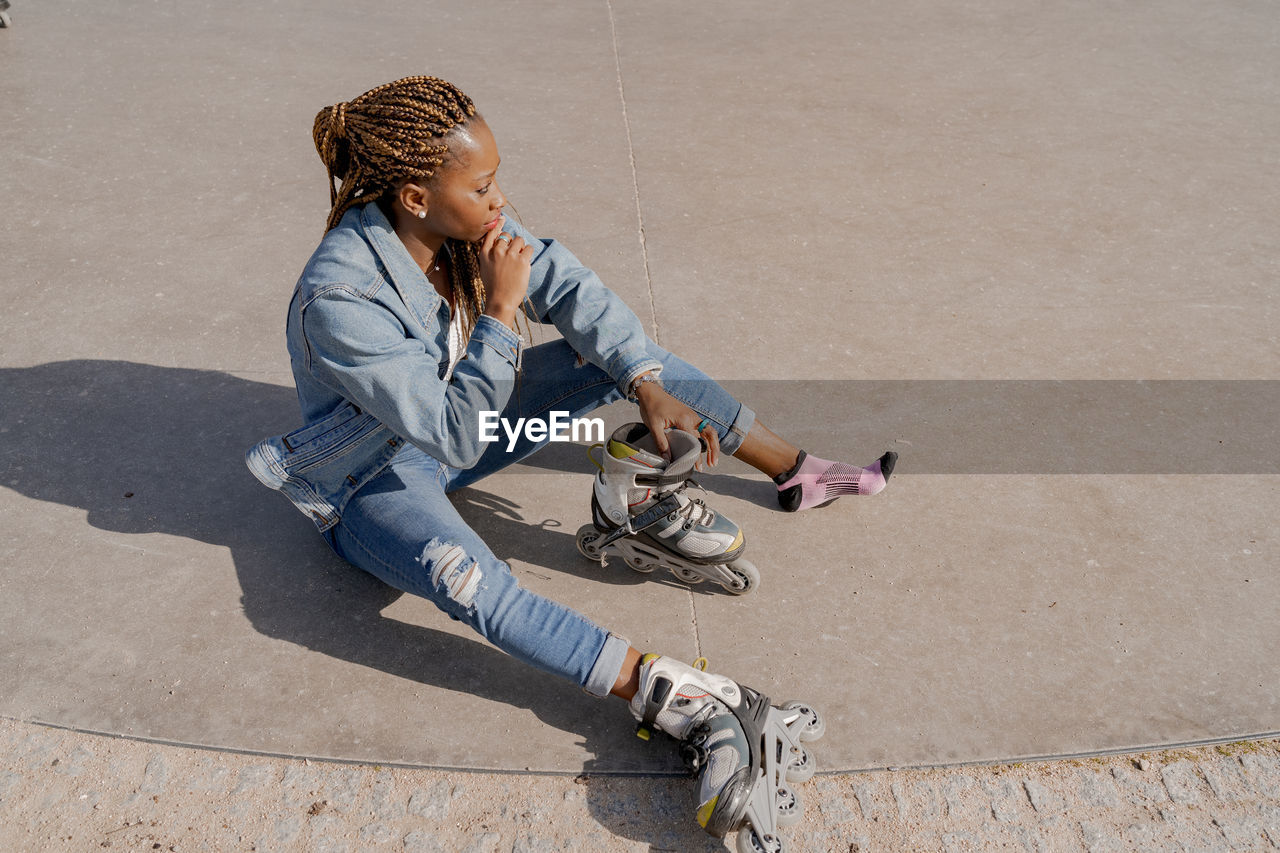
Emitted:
<point x="505" y="236"/>
<point x="702" y="424"/>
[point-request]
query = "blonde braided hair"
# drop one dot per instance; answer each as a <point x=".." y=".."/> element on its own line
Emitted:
<point x="393" y="133"/>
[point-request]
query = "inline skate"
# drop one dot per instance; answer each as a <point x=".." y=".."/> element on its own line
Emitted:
<point x="746" y="752"/>
<point x="639" y="509"/>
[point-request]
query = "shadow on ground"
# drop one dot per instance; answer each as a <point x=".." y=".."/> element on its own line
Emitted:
<point x="147" y="449"/>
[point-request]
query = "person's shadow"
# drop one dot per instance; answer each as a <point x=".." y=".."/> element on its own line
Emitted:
<point x="147" y="449"/>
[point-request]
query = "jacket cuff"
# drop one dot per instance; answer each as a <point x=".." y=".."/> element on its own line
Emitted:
<point x="498" y="336"/>
<point x="629" y="376"/>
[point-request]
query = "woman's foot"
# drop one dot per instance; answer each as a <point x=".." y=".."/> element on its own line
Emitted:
<point x="814" y="482"/>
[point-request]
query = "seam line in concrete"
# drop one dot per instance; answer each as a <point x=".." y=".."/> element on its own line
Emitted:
<point x="693" y="615"/>
<point x="635" y="180"/>
<point x="651" y="774"/>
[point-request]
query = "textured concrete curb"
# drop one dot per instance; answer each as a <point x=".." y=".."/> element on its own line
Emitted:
<point x="67" y="791"/>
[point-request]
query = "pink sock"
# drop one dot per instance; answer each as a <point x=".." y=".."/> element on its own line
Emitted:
<point x="813" y="481"/>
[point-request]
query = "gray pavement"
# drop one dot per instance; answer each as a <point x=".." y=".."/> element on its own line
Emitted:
<point x="908" y="207"/>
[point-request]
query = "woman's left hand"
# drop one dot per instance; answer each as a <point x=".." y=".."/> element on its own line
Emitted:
<point x="660" y="412"/>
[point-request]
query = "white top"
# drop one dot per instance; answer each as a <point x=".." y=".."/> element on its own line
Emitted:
<point x="456" y="348"/>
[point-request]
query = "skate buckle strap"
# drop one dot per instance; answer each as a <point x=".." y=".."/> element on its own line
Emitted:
<point x="653" y="705"/>
<point x="660" y="479"/>
<point x="648" y="518"/>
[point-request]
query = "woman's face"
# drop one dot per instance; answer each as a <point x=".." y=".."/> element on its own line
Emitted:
<point x="463" y="199"/>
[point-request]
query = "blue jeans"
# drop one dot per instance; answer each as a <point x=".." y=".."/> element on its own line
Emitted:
<point x="402" y="528"/>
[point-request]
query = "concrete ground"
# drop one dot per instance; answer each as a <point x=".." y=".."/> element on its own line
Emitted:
<point x="1032" y="249"/>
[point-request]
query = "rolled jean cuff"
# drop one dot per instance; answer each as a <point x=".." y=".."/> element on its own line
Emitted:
<point x="608" y="666"/>
<point x="738" y="430"/>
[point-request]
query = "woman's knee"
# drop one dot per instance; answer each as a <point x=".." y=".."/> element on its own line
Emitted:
<point x="448" y="571"/>
<point x="469" y="584"/>
<point x="452" y="574"/>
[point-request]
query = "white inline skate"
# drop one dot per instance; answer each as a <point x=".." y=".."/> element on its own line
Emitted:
<point x="746" y="752"/>
<point x="640" y="510"/>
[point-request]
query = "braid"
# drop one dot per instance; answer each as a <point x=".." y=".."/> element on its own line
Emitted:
<point x="468" y="288"/>
<point x="386" y="135"/>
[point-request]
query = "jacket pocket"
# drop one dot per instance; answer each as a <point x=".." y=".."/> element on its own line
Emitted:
<point x="320" y="466"/>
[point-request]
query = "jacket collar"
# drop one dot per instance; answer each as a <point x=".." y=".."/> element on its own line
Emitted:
<point x="405" y="274"/>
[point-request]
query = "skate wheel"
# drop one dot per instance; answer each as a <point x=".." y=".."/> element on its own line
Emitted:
<point x="588" y="536"/>
<point x="640" y="563"/>
<point x="802" y="766"/>
<point x="5" y="20"/>
<point x="746" y="577"/>
<point x="790" y="807"/>
<point x="689" y="576"/>
<point x="814" y="727"/>
<point x="750" y="842"/>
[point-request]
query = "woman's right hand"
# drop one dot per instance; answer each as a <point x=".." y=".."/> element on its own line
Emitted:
<point x="504" y="268"/>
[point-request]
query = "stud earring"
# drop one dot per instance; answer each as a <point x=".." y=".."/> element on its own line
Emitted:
<point x="422" y="214"/>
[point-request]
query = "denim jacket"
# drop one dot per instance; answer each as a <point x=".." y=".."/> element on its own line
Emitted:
<point x="367" y="342"/>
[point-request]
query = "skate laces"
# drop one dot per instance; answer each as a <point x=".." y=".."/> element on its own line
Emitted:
<point x="694" y="749"/>
<point x="695" y="510"/>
